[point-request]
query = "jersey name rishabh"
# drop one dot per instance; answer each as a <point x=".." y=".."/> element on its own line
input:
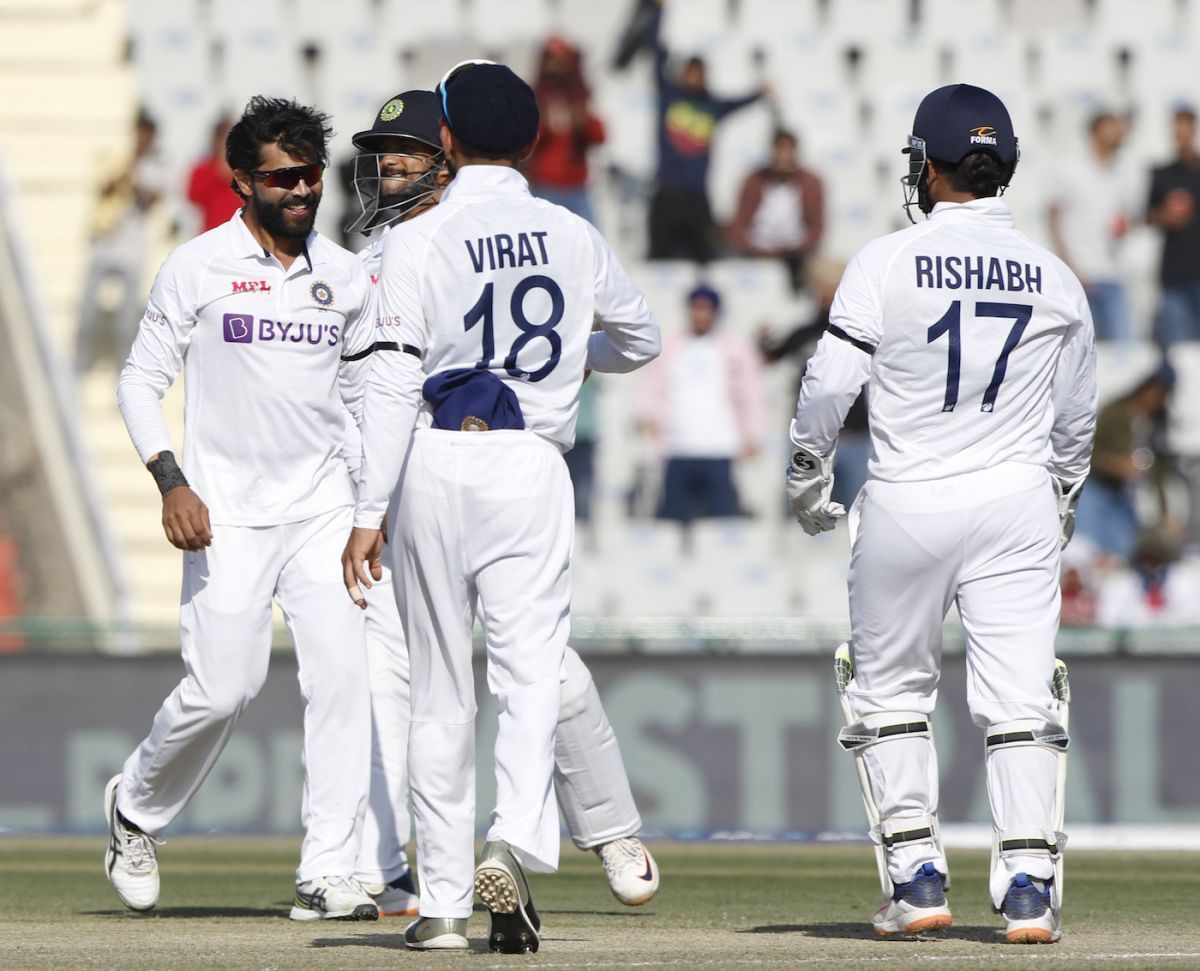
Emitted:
<point x="977" y="273"/>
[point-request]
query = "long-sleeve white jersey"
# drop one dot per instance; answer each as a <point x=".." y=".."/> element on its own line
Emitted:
<point x="371" y="257"/>
<point x="494" y="278"/>
<point x="977" y="344"/>
<point x="267" y="387"/>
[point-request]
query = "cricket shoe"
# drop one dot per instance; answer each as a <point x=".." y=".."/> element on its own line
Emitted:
<point x="398" y="898"/>
<point x="631" y="870"/>
<point x="437" y="934"/>
<point x="501" y="885"/>
<point x="333" y="898"/>
<point x="131" y="860"/>
<point x="916" y="907"/>
<point x="1028" y="912"/>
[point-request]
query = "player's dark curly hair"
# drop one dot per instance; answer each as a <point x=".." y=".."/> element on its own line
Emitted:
<point x="979" y="173"/>
<point x="300" y="131"/>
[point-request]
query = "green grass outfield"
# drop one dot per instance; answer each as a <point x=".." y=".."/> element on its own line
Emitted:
<point x="224" y="905"/>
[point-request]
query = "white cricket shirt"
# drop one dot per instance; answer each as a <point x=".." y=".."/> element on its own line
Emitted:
<point x="371" y="257"/>
<point x="266" y="389"/>
<point x="495" y="278"/>
<point x="977" y="344"/>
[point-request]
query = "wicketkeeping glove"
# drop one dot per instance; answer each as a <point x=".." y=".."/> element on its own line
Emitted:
<point x="809" y="483"/>
<point x="1067" y="495"/>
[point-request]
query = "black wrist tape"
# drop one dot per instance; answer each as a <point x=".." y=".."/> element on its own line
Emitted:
<point x="166" y="471"/>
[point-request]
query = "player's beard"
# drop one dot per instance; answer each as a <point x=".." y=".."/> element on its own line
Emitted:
<point x="276" y="221"/>
<point x="406" y="192"/>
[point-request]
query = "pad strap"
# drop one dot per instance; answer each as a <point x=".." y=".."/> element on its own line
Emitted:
<point x="1051" y="843"/>
<point x="860" y="735"/>
<point x="1049" y="736"/>
<point x="907" y="829"/>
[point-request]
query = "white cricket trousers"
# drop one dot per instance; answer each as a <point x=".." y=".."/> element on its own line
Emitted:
<point x="589" y="775"/>
<point x="225" y="632"/>
<point x="989" y="542"/>
<point x="387" y="827"/>
<point x="485" y="524"/>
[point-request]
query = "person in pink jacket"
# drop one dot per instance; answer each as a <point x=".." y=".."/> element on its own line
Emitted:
<point x="703" y="401"/>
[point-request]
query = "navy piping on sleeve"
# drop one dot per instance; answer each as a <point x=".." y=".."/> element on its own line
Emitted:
<point x="840" y="334"/>
<point x="384" y="346"/>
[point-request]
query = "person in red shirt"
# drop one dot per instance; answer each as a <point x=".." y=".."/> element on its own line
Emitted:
<point x="781" y="210"/>
<point x="209" y="187"/>
<point x="558" y="168"/>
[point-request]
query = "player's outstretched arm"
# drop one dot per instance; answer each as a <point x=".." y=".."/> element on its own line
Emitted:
<point x="1074" y="401"/>
<point x="153" y="364"/>
<point x="357" y="350"/>
<point x="1071" y="435"/>
<point x="841" y="363"/>
<point x="393" y="384"/>
<point x="629" y="336"/>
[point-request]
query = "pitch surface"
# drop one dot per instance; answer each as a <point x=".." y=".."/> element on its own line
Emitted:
<point x="224" y="905"/>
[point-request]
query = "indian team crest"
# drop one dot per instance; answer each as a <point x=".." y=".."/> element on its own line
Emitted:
<point x="473" y="424"/>
<point x="392" y="110"/>
<point x="321" y="292"/>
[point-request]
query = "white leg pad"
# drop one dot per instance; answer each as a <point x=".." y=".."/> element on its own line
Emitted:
<point x="900" y="782"/>
<point x="1022" y="775"/>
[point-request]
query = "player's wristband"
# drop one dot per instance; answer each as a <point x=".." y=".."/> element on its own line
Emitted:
<point x="167" y="473"/>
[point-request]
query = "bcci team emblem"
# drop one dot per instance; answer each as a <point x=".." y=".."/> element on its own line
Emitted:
<point x="473" y="424"/>
<point x="321" y="292"/>
<point x="392" y="110"/>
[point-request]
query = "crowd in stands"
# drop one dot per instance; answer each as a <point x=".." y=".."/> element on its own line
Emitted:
<point x="1137" y="553"/>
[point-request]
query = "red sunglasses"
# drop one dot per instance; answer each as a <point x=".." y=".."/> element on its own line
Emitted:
<point x="289" y="178"/>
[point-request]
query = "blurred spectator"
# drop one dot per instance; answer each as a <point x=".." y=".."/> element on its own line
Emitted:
<point x="681" y="224"/>
<point x="1128" y="436"/>
<point x="703" y="401"/>
<point x="558" y="168"/>
<point x="1174" y="194"/>
<point x="781" y="210"/>
<point x="209" y="188"/>
<point x="1155" y="590"/>
<point x="1090" y="213"/>
<point x="1080" y="601"/>
<point x="581" y="459"/>
<point x="119" y="244"/>
<point x="797" y="346"/>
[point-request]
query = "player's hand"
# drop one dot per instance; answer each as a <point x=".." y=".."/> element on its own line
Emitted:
<point x="809" y="484"/>
<point x="1067" y="496"/>
<point x="185" y="520"/>
<point x="363" y="549"/>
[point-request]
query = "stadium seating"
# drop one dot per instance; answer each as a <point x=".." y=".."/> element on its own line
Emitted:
<point x="848" y="75"/>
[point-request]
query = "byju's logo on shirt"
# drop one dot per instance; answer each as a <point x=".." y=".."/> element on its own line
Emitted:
<point x="239" y="329"/>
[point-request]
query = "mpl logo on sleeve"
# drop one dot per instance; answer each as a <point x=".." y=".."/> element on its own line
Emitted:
<point x="239" y="328"/>
<point x="984" y="135"/>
